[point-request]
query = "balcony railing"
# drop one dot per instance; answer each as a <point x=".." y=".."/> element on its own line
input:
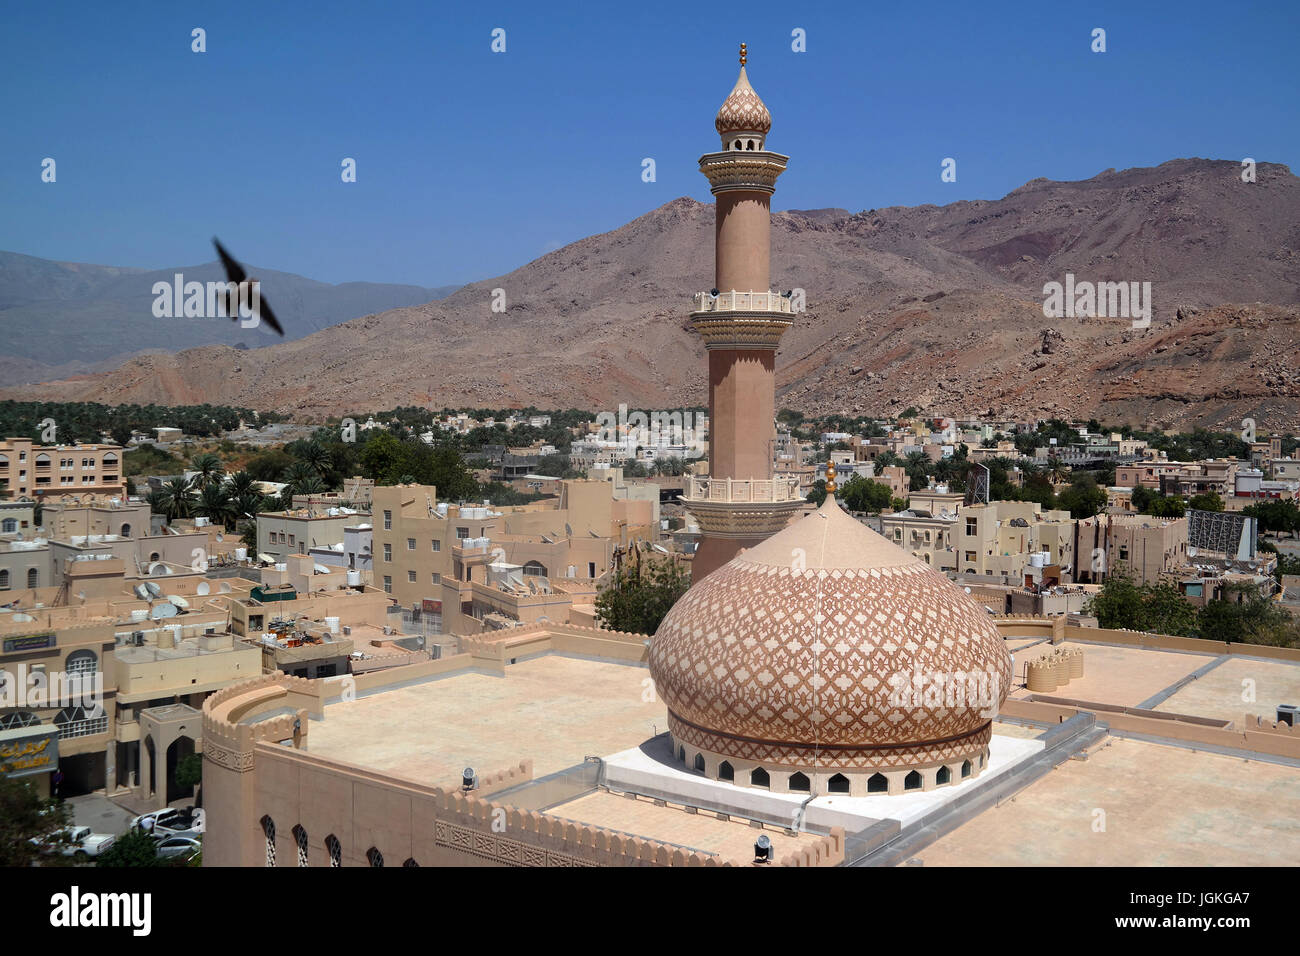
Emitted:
<point x="743" y="490"/>
<point x="734" y="301"/>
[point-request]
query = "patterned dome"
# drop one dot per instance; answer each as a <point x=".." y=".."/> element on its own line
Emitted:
<point x="828" y="644"/>
<point x="742" y="111"/>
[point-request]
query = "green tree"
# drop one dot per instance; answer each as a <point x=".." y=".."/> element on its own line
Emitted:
<point x="1083" y="499"/>
<point x="209" y="470"/>
<point x="25" y="816"/>
<point x="134" y="848"/>
<point x="216" y="504"/>
<point x="1208" y="501"/>
<point x="174" y="499"/>
<point x="640" y="594"/>
<point x="189" y="771"/>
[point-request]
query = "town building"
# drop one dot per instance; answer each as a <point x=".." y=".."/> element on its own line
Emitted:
<point x="44" y="472"/>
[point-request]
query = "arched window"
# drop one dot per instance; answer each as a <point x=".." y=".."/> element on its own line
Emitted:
<point x="912" y="781"/>
<point x="334" y="849"/>
<point x="82" y="662"/>
<point x="300" y="837"/>
<point x="4" y="579"/>
<point x="943" y="776"/>
<point x="126" y="531"/>
<point x="681" y="754"/>
<point x="799" y="783"/>
<point x="153" y="556"/>
<point x="838" y="784"/>
<point x="19" y="718"/>
<point x="80" y="722"/>
<point x="699" y="762"/>
<point x="410" y="863"/>
<point x="758" y="778"/>
<point x="9" y="525"/>
<point x="965" y="769"/>
<point x="33" y="578"/>
<point x="726" y="771"/>
<point x="878" y="783"/>
<point x="375" y="857"/>
<point x="268" y="830"/>
<point x="42" y="460"/>
<point x="535" y="568"/>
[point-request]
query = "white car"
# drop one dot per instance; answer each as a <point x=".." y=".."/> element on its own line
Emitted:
<point x="179" y="846"/>
<point x="172" y="821"/>
<point x="80" y="842"/>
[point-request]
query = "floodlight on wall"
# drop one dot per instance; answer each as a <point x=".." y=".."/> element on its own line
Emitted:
<point x="468" y="779"/>
<point x="763" y="849"/>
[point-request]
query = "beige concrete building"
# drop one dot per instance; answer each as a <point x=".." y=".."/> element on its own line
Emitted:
<point x="282" y="533"/>
<point x="51" y="471"/>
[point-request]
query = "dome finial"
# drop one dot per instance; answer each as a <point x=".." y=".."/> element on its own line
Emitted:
<point x="830" y="478"/>
<point x="743" y="55"/>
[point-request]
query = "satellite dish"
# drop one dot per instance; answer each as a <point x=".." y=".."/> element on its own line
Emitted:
<point x="81" y="595"/>
<point x="220" y="537"/>
<point x="155" y="568"/>
<point x="224" y="587"/>
<point x="1191" y="551"/>
<point x="967" y="590"/>
<point x="163" y="610"/>
<point x="153" y="589"/>
<point x="179" y="601"/>
<point x="203" y="588"/>
<point x="21" y="618"/>
<point x="142" y="592"/>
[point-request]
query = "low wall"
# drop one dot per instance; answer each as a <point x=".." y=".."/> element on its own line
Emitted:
<point x="1273" y="740"/>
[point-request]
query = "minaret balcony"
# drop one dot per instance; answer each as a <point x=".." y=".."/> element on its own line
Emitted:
<point x="734" y="301"/>
<point x="744" y="320"/>
<point x="739" y="169"/>
<point x="742" y="507"/>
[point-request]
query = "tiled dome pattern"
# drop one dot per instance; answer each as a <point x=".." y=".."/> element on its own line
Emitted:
<point x="742" y="111"/>
<point x="759" y="660"/>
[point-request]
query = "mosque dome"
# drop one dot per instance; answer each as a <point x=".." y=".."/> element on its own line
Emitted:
<point x="743" y="121"/>
<point x="827" y="649"/>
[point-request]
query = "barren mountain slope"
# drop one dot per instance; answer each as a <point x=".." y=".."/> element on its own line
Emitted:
<point x="939" y="307"/>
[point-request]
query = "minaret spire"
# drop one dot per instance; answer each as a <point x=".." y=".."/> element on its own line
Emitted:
<point x="741" y="321"/>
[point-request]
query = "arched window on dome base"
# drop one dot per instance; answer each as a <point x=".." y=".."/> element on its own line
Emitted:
<point x="965" y="769"/>
<point x="838" y="784"/>
<point x="799" y="783"/>
<point x="912" y="781"/>
<point x="699" y="762"/>
<point x="878" y="783"/>
<point x="758" y="778"/>
<point x="726" y="771"/>
<point x="943" y="776"/>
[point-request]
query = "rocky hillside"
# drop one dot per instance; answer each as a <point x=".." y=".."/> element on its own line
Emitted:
<point x="938" y="307"/>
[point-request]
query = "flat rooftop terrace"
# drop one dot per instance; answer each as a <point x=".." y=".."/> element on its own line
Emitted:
<point x="1125" y="676"/>
<point x="554" y="709"/>
<point x="1162" y="805"/>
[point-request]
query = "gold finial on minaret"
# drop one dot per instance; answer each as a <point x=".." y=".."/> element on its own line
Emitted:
<point x="830" y="477"/>
<point x="743" y="55"/>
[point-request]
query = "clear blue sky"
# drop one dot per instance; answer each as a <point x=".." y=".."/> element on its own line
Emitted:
<point x="472" y="163"/>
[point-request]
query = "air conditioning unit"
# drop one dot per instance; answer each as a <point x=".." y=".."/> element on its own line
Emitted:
<point x="347" y="630"/>
<point x="137" y="638"/>
<point x="1287" y="714"/>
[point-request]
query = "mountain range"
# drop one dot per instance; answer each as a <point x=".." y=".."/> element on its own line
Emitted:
<point x="63" y="318"/>
<point x="938" y="307"/>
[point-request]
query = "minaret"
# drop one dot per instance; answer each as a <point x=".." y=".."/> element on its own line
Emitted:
<point x="741" y="321"/>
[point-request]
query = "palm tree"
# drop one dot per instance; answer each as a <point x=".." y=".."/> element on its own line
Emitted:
<point x="317" y="457"/>
<point x="297" y="473"/>
<point x="1057" y="470"/>
<point x="209" y="468"/>
<point x="173" y="499"/>
<point x="241" y="483"/>
<point x="216" y="504"/>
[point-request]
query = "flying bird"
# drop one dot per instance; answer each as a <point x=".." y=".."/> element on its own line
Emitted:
<point x="235" y="273"/>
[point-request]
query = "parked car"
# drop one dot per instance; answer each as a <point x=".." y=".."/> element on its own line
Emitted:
<point x="172" y="821"/>
<point x="182" y="847"/>
<point x="80" y="842"/>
